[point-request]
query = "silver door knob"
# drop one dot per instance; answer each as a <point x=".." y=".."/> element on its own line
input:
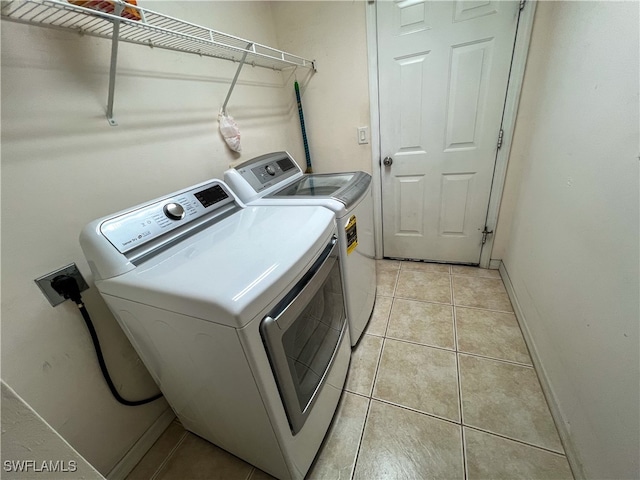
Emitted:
<point x="387" y="161"/>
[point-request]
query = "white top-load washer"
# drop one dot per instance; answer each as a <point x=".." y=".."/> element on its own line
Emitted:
<point x="238" y="313"/>
<point x="275" y="179"/>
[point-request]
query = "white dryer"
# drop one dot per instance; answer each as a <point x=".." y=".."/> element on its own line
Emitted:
<point x="275" y="179"/>
<point x="238" y="313"/>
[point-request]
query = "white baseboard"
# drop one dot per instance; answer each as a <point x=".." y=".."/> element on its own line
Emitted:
<point x="565" y="437"/>
<point x="141" y="447"/>
<point x="494" y="264"/>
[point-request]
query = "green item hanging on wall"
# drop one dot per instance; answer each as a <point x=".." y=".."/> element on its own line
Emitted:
<point x="304" y="132"/>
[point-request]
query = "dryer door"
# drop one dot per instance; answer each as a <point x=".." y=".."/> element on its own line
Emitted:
<point x="302" y="335"/>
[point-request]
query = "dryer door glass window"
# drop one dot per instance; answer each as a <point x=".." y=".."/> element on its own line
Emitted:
<point x="302" y="335"/>
<point x="310" y="341"/>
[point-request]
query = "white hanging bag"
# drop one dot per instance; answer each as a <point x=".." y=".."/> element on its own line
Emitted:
<point x="230" y="131"/>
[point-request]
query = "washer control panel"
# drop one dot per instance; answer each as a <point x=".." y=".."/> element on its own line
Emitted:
<point x="268" y="170"/>
<point x="141" y="225"/>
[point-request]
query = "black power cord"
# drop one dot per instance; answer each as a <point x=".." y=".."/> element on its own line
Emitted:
<point x="67" y="286"/>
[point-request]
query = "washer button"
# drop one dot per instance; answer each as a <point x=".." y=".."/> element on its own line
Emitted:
<point x="174" y="211"/>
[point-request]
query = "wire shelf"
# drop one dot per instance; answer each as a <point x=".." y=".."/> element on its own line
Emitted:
<point x="151" y="29"/>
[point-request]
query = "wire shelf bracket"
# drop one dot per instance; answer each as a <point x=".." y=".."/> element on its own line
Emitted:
<point x="113" y="65"/>
<point x="149" y="28"/>
<point x="235" y="77"/>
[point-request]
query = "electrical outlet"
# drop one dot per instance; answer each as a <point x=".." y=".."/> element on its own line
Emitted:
<point x="44" y="283"/>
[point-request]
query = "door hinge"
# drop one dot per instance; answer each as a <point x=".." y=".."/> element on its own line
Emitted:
<point x="522" y="2"/>
<point x="500" y="135"/>
<point x="486" y="232"/>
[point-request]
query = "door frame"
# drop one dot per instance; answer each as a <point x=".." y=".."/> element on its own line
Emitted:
<point x="514" y="88"/>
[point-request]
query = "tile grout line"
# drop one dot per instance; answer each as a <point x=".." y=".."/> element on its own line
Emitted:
<point x="169" y="455"/>
<point x="358" y="394"/>
<point x="375" y="373"/>
<point x="373" y="383"/>
<point x="364" y="426"/>
<point x="515" y="440"/>
<point x="501" y="360"/>
<point x="385" y="296"/>
<point x="450" y="350"/>
<point x="419" y="412"/>
<point x="475" y="276"/>
<point x="471" y="307"/>
<point x="451" y="293"/>
<point x="412" y="342"/>
<point x="427" y="270"/>
<point x="386" y="327"/>
<point x="465" y="465"/>
<point x="459" y="381"/>
<point x="453" y="313"/>
<point x="395" y="286"/>
<point x="413" y="299"/>
<point x="421" y="301"/>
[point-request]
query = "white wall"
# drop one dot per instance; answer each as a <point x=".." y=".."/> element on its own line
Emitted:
<point x="27" y="438"/>
<point x="63" y="165"/>
<point x="336" y="99"/>
<point x="573" y="250"/>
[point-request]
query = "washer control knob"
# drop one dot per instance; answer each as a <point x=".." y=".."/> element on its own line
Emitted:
<point x="270" y="170"/>
<point x="174" y="211"/>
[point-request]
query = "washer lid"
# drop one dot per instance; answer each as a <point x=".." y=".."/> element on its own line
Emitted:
<point x="346" y="188"/>
<point x="229" y="272"/>
<point x="277" y="175"/>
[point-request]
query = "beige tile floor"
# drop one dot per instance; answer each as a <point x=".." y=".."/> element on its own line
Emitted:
<point x="441" y="385"/>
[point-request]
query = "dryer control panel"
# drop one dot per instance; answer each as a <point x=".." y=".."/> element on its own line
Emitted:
<point x="136" y="227"/>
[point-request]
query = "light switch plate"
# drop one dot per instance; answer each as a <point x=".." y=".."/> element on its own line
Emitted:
<point x="363" y="135"/>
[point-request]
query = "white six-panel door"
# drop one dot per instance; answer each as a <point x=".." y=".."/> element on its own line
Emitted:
<point x="443" y="73"/>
